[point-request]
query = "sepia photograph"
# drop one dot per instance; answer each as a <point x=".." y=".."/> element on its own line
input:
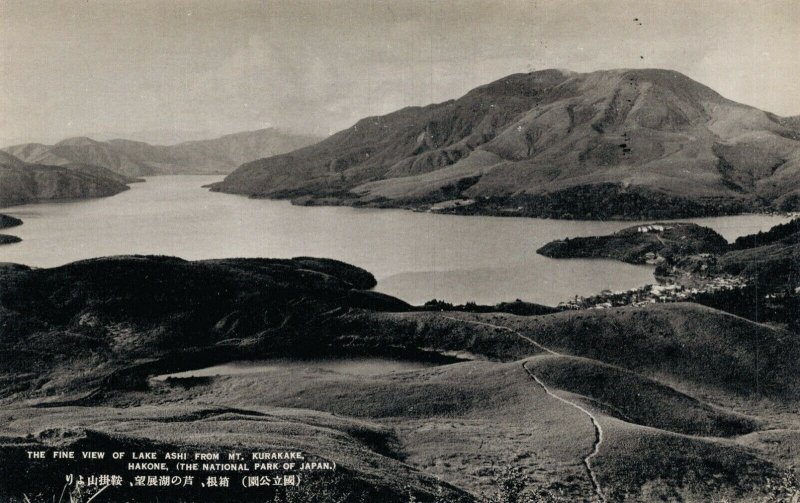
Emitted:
<point x="399" y="251"/>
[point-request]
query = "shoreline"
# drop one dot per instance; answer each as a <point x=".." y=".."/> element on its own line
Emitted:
<point x="427" y="208"/>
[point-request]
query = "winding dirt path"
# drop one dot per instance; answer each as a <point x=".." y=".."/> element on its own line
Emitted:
<point x="511" y="330"/>
<point x="598" y="433"/>
<point x="598" y="430"/>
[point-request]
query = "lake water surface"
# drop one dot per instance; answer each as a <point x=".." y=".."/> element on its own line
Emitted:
<point x="414" y="256"/>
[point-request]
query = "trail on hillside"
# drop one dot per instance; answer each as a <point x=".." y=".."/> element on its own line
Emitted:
<point x="525" y="337"/>
<point x="598" y="430"/>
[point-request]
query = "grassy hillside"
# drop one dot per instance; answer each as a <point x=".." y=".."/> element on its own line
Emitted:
<point x="361" y="472"/>
<point x="35" y="183"/>
<point x="681" y="344"/>
<point x="628" y="396"/>
<point x="640" y="461"/>
<point x="608" y="144"/>
<point x="635" y="404"/>
<point x="22" y="183"/>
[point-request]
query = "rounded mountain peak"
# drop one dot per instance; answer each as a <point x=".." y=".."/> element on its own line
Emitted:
<point x="77" y="141"/>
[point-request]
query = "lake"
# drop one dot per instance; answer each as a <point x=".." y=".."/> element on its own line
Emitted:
<point x="414" y="256"/>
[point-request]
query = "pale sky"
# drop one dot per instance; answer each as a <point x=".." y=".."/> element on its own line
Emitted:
<point x="167" y="70"/>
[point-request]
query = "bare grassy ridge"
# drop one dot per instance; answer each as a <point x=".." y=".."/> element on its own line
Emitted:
<point x="681" y="343"/>
<point x="628" y="396"/>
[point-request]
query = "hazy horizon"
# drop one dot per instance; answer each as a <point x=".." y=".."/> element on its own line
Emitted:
<point x="164" y="137"/>
<point x="166" y="72"/>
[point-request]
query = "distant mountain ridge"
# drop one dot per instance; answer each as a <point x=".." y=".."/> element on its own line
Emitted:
<point x="134" y="158"/>
<point x="622" y="143"/>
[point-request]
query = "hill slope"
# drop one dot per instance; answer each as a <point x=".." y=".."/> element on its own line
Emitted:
<point x="618" y="143"/>
<point x="550" y="390"/>
<point x="22" y="183"/>
<point x="682" y="344"/>
<point x="133" y="158"/>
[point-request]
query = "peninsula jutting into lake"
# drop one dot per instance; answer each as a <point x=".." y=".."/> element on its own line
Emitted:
<point x="399" y="252"/>
<point x="6" y="222"/>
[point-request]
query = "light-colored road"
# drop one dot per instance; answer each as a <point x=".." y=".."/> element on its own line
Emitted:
<point x="598" y="429"/>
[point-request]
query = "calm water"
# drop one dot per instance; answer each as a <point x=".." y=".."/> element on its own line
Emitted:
<point x="415" y="256"/>
<point x="367" y="367"/>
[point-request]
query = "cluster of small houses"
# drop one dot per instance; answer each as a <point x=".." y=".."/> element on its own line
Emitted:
<point x="651" y="294"/>
<point x="650" y="228"/>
